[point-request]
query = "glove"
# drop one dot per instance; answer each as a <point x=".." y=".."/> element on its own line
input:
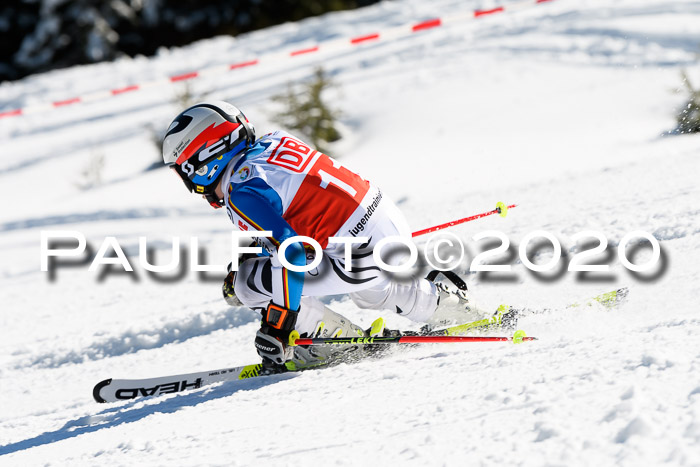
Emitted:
<point x="272" y="339"/>
<point x="271" y="349"/>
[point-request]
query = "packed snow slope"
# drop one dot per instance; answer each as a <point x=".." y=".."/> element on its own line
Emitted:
<point x="564" y="109"/>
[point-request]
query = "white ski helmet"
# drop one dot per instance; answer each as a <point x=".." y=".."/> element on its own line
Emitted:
<point x="202" y="140"/>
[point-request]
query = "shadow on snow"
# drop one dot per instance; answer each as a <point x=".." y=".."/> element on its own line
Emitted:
<point x="136" y="410"/>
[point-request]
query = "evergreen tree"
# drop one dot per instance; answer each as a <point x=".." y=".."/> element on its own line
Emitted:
<point x="306" y="113"/>
<point x="688" y="117"/>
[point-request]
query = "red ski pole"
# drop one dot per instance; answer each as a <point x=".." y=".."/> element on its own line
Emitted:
<point x="517" y="338"/>
<point x="501" y="209"/>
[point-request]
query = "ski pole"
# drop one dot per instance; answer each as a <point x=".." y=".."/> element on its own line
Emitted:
<point x="501" y="209"/>
<point x="517" y="338"/>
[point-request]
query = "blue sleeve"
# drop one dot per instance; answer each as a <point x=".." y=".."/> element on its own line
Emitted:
<point x="261" y="207"/>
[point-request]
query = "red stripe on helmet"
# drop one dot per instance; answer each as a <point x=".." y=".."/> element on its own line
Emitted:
<point x="212" y="134"/>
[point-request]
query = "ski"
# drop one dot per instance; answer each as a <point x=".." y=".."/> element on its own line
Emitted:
<point x="113" y="390"/>
<point x="506" y="317"/>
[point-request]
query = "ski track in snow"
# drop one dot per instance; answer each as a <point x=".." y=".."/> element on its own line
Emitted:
<point x="136" y="340"/>
<point x="565" y="109"/>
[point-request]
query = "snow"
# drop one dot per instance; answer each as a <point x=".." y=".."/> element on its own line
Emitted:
<point x="564" y="109"/>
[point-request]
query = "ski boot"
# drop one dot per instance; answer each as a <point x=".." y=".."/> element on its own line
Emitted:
<point x="338" y="326"/>
<point x="453" y="301"/>
<point x="331" y="324"/>
<point x="271" y="368"/>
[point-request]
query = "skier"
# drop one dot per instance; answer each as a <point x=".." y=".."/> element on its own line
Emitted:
<point x="280" y="184"/>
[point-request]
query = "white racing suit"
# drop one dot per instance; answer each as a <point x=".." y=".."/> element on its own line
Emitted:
<point x="284" y="186"/>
